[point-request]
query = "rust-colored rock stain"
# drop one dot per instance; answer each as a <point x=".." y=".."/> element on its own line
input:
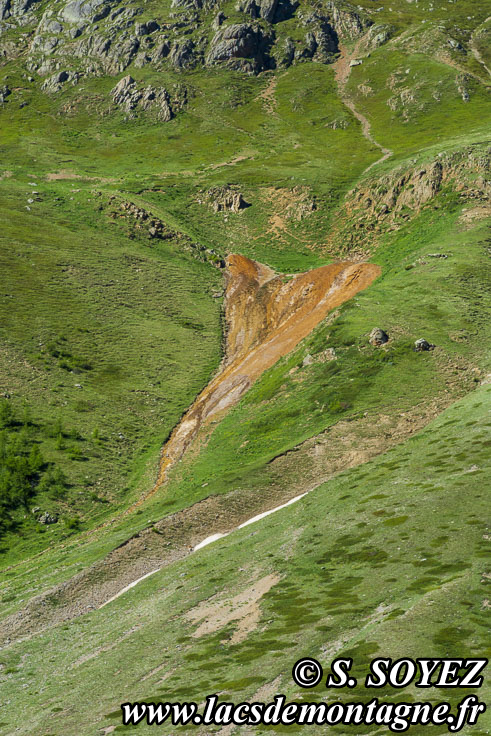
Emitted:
<point x="267" y="315"/>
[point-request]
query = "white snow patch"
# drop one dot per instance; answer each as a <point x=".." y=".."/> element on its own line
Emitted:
<point x="209" y="540"/>
<point x="128" y="587"/>
<point x="271" y="511"/>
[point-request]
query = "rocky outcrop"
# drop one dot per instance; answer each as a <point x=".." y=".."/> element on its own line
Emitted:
<point x="348" y="22"/>
<point x="15" y="9"/>
<point x="88" y="11"/>
<point x="243" y="47"/>
<point x="54" y="83"/>
<point x="386" y="202"/>
<point x="114" y="53"/>
<point x="194" y="4"/>
<point x="183" y="55"/>
<point x="376" y="36"/>
<point x="141" y="223"/>
<point x="129" y="96"/>
<point x="271" y="11"/>
<point x="103" y="37"/>
<point x="378" y="337"/>
<point x="321" y="40"/>
<point x="4" y="93"/>
<point x="225" y="199"/>
<point x="48" y="518"/>
<point x="153" y="54"/>
<point x="287" y="54"/>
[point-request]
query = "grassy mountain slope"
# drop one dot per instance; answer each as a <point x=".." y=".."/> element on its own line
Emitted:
<point x="386" y="559"/>
<point x="112" y="238"/>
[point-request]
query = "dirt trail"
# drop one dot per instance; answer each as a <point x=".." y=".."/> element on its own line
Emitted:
<point x="268" y="96"/>
<point x="477" y="54"/>
<point x="342" y="70"/>
<point x="267" y="316"/>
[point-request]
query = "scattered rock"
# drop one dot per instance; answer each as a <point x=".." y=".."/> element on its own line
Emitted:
<point x="308" y="360"/>
<point x="127" y="95"/>
<point x="329" y="354"/>
<point x="53" y="84"/>
<point x="144" y="223"/>
<point x="378" y="337"/>
<point x="455" y="44"/>
<point x="48" y="518"/>
<point x="422" y="345"/>
<point x="356" y="62"/>
<point x="4" y="93"/>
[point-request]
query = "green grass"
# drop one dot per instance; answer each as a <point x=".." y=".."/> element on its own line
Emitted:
<point x="423" y="93"/>
<point x="108" y="336"/>
<point x="283" y="408"/>
<point x="384" y="560"/>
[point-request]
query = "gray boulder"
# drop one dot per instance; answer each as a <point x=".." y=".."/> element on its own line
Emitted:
<point x="53" y="84"/>
<point x="422" y="345"/>
<point x="87" y="10"/>
<point x="48" y="518"/>
<point x="220" y="18"/>
<point x="378" y="337"/>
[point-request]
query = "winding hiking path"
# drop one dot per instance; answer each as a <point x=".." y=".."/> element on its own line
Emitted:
<point x="477" y="54"/>
<point x="342" y="71"/>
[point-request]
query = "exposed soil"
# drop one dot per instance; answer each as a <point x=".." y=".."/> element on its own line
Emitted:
<point x="478" y="56"/>
<point x="342" y="70"/>
<point x="471" y="214"/>
<point x="345" y="445"/>
<point x="64" y="174"/>
<point x="215" y="613"/>
<point x="286" y="206"/>
<point x="268" y="96"/>
<point x="233" y="161"/>
<point x="266" y="317"/>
